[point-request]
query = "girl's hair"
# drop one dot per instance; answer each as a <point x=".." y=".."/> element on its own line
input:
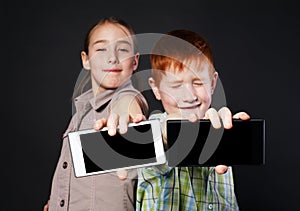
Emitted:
<point x="84" y="80"/>
<point x="112" y="20"/>
<point x="174" y="48"/>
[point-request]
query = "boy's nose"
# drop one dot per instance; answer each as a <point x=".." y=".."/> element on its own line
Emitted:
<point x="190" y="96"/>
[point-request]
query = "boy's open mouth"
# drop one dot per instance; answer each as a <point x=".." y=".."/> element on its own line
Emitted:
<point x="190" y="107"/>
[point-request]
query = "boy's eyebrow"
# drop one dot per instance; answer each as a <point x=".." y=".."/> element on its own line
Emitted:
<point x="175" y="81"/>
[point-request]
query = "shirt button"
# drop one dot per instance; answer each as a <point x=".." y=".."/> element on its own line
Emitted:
<point x="210" y="206"/>
<point x="62" y="203"/>
<point x="65" y="165"/>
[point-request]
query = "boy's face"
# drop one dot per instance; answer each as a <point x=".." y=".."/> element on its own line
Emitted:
<point x="111" y="57"/>
<point x="187" y="91"/>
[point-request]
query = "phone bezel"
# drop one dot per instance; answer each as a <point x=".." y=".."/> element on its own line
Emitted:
<point x="77" y="154"/>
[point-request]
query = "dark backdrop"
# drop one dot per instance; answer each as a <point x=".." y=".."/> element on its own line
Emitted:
<point x="255" y="46"/>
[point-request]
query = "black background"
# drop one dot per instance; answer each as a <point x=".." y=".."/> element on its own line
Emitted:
<point x="255" y="46"/>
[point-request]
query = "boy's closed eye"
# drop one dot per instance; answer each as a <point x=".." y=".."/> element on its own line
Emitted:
<point x="198" y="83"/>
<point x="175" y="85"/>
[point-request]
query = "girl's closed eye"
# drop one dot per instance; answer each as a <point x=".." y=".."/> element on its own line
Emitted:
<point x="123" y="50"/>
<point x="101" y="49"/>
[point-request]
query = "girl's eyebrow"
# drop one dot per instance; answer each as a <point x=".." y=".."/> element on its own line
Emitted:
<point x="123" y="42"/>
<point x="117" y="42"/>
<point x="100" y="41"/>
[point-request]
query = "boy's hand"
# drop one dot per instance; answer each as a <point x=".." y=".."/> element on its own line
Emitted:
<point x="225" y="115"/>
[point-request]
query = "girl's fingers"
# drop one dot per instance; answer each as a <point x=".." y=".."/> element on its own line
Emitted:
<point x="112" y="123"/>
<point x="123" y="123"/>
<point x="122" y="174"/>
<point x="100" y="123"/>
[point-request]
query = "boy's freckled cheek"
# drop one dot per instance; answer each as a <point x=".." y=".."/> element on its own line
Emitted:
<point x="170" y="103"/>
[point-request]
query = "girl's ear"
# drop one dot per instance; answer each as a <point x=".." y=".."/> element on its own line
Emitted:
<point x="214" y="82"/>
<point x="135" y="61"/>
<point x="154" y="88"/>
<point x="85" y="60"/>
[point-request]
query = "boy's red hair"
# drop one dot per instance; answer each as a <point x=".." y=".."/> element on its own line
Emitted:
<point x="177" y="47"/>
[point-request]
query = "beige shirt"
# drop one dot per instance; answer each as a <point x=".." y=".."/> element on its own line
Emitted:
<point x="98" y="192"/>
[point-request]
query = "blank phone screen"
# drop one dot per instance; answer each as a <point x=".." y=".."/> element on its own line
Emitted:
<point x="243" y="144"/>
<point x="104" y="152"/>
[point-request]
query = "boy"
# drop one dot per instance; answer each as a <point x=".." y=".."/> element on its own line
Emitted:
<point x="184" y="79"/>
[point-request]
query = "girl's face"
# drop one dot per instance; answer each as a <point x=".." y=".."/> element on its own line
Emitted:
<point x="186" y="92"/>
<point x="111" y="57"/>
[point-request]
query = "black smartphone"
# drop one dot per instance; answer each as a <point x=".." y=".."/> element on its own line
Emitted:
<point x="199" y="144"/>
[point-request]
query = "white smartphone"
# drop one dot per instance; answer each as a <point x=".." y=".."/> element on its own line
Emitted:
<point x="96" y="152"/>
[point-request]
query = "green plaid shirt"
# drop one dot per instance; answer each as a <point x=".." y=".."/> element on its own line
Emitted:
<point x="184" y="188"/>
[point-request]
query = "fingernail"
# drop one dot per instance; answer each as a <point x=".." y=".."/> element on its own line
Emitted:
<point x="228" y="125"/>
<point x="122" y="174"/>
<point x="122" y="130"/>
<point x="110" y="131"/>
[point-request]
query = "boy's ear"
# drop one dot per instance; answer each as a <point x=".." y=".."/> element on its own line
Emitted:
<point x="154" y="88"/>
<point x="214" y="82"/>
<point x="135" y="61"/>
<point x="85" y="60"/>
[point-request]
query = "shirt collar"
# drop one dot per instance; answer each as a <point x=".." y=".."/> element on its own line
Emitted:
<point x="87" y="100"/>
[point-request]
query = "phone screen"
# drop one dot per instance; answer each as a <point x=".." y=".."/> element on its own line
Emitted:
<point x="104" y="152"/>
<point x="243" y="144"/>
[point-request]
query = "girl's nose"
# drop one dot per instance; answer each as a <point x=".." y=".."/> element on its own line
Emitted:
<point x="112" y="58"/>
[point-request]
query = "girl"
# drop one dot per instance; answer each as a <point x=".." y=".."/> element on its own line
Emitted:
<point x="110" y="56"/>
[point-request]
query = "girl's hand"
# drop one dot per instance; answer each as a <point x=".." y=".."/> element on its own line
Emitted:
<point x="46" y="207"/>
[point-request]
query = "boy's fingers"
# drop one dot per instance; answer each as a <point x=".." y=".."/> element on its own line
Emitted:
<point x="214" y="118"/>
<point x="100" y="123"/>
<point x="192" y="117"/>
<point x="123" y="123"/>
<point x="112" y="123"/>
<point x="226" y="117"/>
<point x="221" y="169"/>
<point x="241" y="115"/>
<point x="122" y="174"/>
